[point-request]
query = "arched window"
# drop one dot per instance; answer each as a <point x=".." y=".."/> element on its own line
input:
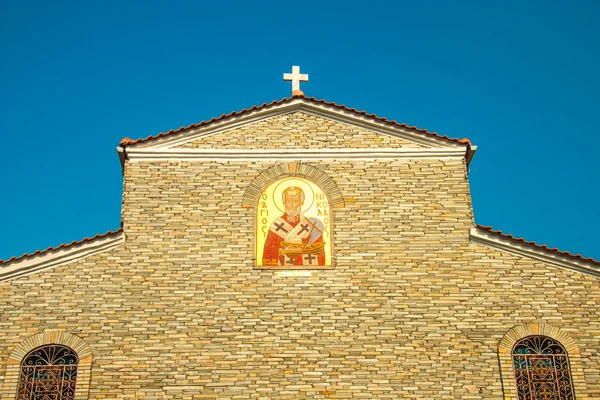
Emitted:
<point x="48" y="372"/>
<point x="542" y="369"/>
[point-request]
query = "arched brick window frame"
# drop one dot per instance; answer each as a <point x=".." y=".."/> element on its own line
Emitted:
<point x="505" y="353"/>
<point x="301" y="170"/>
<point x="84" y="353"/>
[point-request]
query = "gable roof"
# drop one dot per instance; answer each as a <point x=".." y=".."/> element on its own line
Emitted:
<point x="40" y="260"/>
<point x="497" y="239"/>
<point x="65" y="253"/>
<point x="310" y="102"/>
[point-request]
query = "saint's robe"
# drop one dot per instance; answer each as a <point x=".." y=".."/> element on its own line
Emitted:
<point x="305" y="230"/>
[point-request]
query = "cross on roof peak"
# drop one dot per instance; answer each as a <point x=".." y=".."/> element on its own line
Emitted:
<point x="296" y="77"/>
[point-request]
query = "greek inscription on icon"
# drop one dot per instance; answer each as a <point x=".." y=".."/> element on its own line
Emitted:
<point x="293" y="231"/>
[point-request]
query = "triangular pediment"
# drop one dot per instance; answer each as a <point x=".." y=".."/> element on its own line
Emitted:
<point x="298" y="130"/>
<point x="297" y="123"/>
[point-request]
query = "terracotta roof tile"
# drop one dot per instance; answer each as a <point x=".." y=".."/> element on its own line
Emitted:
<point x="128" y="141"/>
<point x="541" y="246"/>
<point x="62" y="246"/>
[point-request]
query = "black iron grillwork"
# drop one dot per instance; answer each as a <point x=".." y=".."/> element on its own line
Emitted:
<point x="48" y="372"/>
<point x="542" y="369"/>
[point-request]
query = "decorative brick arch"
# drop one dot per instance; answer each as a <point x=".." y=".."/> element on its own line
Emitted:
<point x="84" y="367"/>
<point x="519" y="332"/>
<point x="300" y="170"/>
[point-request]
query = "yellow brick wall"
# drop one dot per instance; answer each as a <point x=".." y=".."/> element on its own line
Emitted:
<point x="298" y="130"/>
<point x="411" y="310"/>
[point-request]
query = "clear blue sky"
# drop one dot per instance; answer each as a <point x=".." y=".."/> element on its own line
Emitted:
<point x="518" y="78"/>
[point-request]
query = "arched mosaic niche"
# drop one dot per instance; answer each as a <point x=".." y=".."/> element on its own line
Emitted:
<point x="293" y="217"/>
<point x="301" y="170"/>
<point x="525" y="345"/>
<point x="42" y="340"/>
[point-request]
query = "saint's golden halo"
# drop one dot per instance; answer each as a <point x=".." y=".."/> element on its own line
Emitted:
<point x="309" y="195"/>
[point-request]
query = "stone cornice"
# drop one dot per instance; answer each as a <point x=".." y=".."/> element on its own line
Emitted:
<point x="42" y="261"/>
<point x="314" y="107"/>
<point x="290" y="154"/>
<point x="538" y="253"/>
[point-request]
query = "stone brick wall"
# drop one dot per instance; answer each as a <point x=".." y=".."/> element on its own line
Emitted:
<point x="299" y="130"/>
<point x="411" y="310"/>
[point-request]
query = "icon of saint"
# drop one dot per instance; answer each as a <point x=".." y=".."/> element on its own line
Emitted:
<point x="294" y="239"/>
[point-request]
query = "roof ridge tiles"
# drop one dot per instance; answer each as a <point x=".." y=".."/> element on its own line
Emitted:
<point x="128" y="141"/>
<point x="61" y="246"/>
<point x="534" y="244"/>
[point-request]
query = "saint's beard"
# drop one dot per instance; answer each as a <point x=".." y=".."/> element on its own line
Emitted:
<point x="292" y="212"/>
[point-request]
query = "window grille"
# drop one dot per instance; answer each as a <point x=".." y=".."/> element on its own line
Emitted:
<point x="48" y="372"/>
<point x="542" y="369"/>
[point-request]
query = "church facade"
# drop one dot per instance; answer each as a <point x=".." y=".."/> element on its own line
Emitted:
<point x="299" y="249"/>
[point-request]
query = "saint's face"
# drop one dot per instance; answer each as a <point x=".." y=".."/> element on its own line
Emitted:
<point x="293" y="202"/>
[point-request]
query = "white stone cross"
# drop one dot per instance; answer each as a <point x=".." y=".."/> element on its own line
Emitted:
<point x="296" y="77"/>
